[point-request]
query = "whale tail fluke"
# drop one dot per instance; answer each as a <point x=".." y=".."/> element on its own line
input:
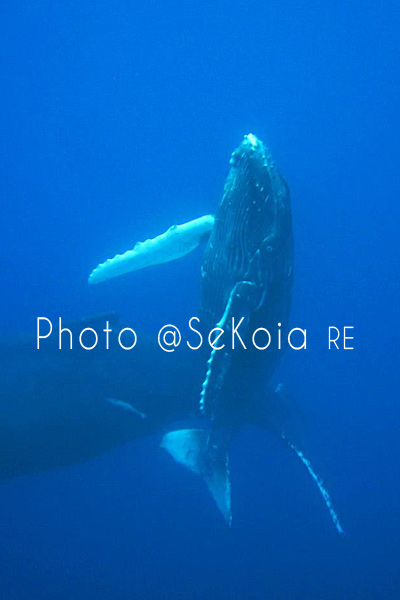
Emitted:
<point x="190" y="448"/>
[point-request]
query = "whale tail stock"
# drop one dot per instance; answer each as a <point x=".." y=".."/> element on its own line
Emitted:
<point x="191" y="448"/>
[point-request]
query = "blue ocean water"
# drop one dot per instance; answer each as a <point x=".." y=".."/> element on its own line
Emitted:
<point x="119" y="119"/>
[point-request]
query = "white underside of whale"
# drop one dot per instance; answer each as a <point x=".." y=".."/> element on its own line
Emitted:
<point x="174" y="243"/>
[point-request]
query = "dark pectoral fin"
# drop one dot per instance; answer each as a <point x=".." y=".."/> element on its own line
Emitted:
<point x="189" y="447"/>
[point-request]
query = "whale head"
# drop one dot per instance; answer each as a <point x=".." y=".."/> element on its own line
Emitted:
<point x="253" y="209"/>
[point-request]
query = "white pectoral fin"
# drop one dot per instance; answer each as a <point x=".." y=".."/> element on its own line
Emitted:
<point x="174" y="243"/>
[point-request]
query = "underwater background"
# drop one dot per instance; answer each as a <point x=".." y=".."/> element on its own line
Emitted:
<point x="118" y="120"/>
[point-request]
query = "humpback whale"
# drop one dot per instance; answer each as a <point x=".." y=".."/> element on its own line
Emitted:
<point x="59" y="407"/>
<point x="247" y="277"/>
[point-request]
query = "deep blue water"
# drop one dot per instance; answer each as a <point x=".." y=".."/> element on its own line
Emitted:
<point x="118" y="120"/>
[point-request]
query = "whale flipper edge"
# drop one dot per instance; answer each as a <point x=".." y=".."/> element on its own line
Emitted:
<point x="174" y="243"/>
